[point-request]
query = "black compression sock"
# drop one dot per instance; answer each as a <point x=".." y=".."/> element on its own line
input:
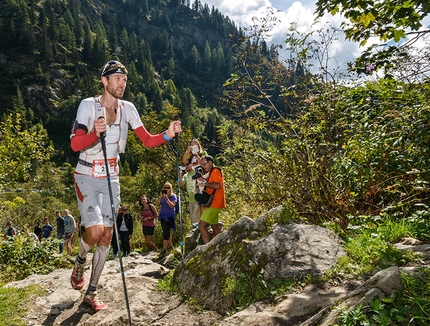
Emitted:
<point x="91" y="289"/>
<point x="81" y="260"/>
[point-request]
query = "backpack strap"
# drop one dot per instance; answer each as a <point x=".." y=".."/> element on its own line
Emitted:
<point x="215" y="167"/>
<point x="99" y="111"/>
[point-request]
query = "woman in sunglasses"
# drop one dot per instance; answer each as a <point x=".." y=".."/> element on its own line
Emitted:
<point x="103" y="118"/>
<point x="167" y="202"/>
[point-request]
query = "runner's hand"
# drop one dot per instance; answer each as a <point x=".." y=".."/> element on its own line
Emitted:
<point x="99" y="126"/>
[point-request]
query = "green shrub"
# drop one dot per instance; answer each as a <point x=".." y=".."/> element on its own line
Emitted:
<point x="22" y="256"/>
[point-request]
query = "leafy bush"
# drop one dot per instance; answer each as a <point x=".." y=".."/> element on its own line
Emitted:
<point x="21" y="256"/>
<point x="347" y="150"/>
<point x="419" y="220"/>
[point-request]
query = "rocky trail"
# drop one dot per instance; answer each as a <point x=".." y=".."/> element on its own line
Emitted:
<point x="310" y="305"/>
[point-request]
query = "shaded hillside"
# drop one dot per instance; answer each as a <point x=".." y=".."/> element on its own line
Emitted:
<point x="51" y="52"/>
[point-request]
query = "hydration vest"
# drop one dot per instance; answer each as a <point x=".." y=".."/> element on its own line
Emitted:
<point x="99" y="111"/>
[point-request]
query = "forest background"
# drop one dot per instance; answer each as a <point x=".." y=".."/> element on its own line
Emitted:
<point x="344" y="151"/>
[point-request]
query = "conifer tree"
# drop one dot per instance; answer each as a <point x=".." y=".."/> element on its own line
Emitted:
<point x="207" y="56"/>
<point x="124" y="42"/>
<point x="87" y="48"/>
<point x="169" y="70"/>
<point x="145" y="52"/>
<point x="193" y="59"/>
<point x="99" y="51"/>
<point x="113" y="38"/>
<point x="169" y="92"/>
<point x="45" y="46"/>
<point x="188" y="104"/>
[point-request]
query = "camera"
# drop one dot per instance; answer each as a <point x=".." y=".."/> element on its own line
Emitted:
<point x="164" y="191"/>
<point x="194" y="149"/>
<point x="198" y="174"/>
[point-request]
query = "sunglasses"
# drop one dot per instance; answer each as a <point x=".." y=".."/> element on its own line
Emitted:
<point x="110" y="63"/>
<point x="166" y="188"/>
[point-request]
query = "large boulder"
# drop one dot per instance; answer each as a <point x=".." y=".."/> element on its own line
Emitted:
<point x="254" y="247"/>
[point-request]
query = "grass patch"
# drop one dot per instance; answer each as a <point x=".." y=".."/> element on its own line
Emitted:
<point x="14" y="304"/>
<point x="370" y="245"/>
<point x="246" y="289"/>
<point x="166" y="284"/>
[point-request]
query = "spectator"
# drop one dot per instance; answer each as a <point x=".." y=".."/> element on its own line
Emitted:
<point x="124" y="223"/>
<point x="11" y="231"/>
<point x="60" y="229"/>
<point x="69" y="230"/>
<point x="148" y="215"/>
<point x="190" y="184"/>
<point x="46" y="228"/>
<point x="38" y="230"/>
<point x="193" y="154"/>
<point x="167" y="202"/>
<point x="213" y="184"/>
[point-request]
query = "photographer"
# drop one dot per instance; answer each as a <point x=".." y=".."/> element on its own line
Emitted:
<point x="214" y="184"/>
<point x="193" y="154"/>
<point x="167" y="201"/>
<point x="187" y="180"/>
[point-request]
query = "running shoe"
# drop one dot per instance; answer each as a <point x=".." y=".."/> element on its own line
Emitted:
<point x="93" y="300"/>
<point x="77" y="278"/>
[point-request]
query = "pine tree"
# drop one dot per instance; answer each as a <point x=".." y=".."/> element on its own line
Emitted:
<point x="207" y="57"/>
<point x="193" y="61"/>
<point x="188" y="105"/>
<point x="100" y="50"/>
<point x="87" y="48"/>
<point x="124" y="42"/>
<point x="45" y="46"/>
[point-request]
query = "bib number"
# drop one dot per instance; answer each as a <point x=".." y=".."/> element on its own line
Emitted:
<point x="99" y="168"/>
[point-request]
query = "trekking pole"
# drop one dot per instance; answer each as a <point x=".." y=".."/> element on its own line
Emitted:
<point x="103" y="141"/>
<point x="179" y="199"/>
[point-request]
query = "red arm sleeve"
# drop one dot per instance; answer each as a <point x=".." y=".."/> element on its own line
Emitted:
<point x="82" y="140"/>
<point x="147" y="139"/>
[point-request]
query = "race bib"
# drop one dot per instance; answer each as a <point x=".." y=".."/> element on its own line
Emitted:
<point x="99" y="168"/>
